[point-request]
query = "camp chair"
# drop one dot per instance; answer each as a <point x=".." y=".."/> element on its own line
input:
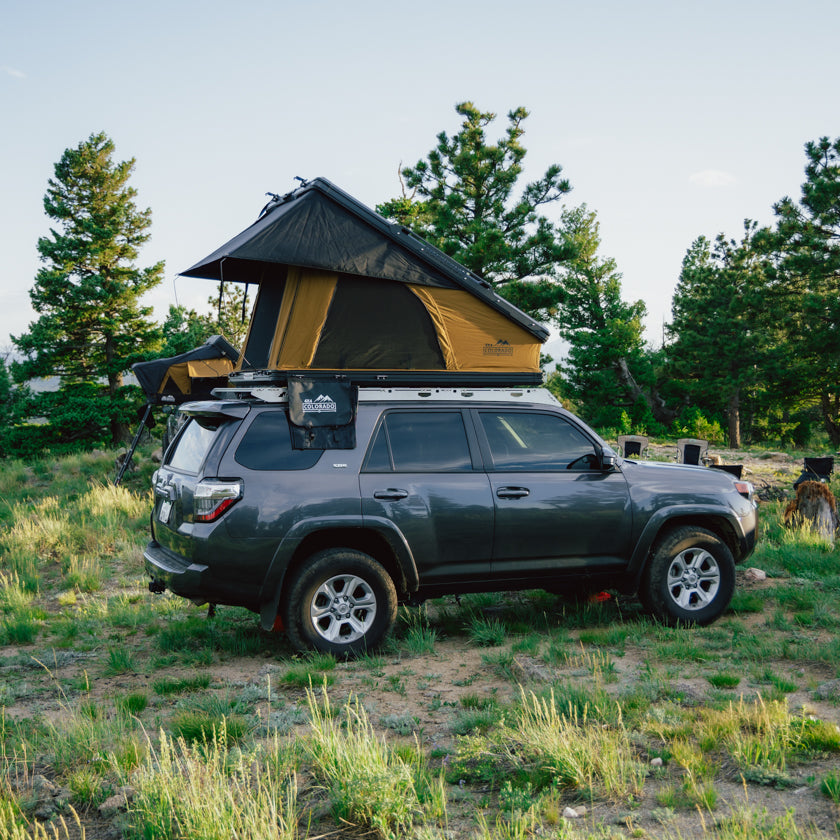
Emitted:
<point x="633" y="446"/>
<point x="691" y="450"/>
<point x="816" y="469"/>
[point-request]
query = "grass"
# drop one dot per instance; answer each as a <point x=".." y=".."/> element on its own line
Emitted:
<point x="217" y="726"/>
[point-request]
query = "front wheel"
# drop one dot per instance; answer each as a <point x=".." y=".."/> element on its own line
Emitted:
<point x="690" y="578"/>
<point x="341" y="602"/>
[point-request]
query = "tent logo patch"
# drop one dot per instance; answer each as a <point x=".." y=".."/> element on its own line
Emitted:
<point x="500" y="348"/>
<point x="321" y="404"/>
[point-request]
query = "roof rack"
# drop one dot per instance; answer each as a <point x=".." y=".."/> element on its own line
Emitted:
<point x="269" y="394"/>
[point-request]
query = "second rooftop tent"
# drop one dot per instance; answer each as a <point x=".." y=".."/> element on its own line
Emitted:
<point x="176" y="379"/>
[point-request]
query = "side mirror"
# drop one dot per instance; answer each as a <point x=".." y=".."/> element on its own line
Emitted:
<point x="608" y="461"/>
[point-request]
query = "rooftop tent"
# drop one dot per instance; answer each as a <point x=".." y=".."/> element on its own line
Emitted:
<point x="341" y="289"/>
<point x="188" y="376"/>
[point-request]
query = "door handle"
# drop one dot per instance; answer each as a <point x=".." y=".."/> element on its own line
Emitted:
<point x="512" y="492"/>
<point x="390" y="495"/>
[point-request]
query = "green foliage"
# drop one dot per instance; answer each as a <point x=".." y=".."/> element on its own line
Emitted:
<point x="720" y="326"/>
<point x="806" y="284"/>
<point x="91" y="326"/>
<point x="463" y="202"/>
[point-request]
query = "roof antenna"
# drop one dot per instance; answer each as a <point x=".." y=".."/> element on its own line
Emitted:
<point x="303" y="181"/>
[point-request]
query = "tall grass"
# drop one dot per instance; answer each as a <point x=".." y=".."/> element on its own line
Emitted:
<point x="205" y="792"/>
<point x="570" y="751"/>
<point x="368" y="782"/>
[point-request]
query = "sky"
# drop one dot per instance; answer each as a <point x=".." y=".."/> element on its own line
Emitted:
<point x="671" y="120"/>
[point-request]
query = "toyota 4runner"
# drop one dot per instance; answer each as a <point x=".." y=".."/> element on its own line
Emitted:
<point x="435" y="491"/>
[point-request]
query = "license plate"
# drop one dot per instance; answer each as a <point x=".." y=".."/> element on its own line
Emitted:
<point x="165" y="511"/>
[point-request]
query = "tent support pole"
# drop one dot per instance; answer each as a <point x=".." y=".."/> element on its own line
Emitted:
<point x="130" y="453"/>
<point x="221" y="290"/>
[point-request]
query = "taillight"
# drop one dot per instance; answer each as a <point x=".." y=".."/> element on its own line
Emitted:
<point x="212" y="498"/>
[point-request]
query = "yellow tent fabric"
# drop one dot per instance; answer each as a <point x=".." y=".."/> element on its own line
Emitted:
<point x="181" y="374"/>
<point x="471" y="334"/>
<point x="475" y="337"/>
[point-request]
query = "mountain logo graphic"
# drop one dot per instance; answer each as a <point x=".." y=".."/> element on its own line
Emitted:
<point x="500" y="348"/>
<point x="320" y="404"/>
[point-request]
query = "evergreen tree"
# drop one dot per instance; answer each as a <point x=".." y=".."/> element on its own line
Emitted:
<point x="720" y="338"/>
<point x="607" y="370"/>
<point x="806" y="283"/>
<point x="463" y="201"/>
<point x="91" y="325"/>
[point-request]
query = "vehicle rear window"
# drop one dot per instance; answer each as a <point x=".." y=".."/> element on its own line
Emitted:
<point x="191" y="447"/>
<point x="267" y="445"/>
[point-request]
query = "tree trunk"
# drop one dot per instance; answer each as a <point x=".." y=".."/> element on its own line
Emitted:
<point x="831" y="415"/>
<point x="661" y="413"/>
<point x="733" y="416"/>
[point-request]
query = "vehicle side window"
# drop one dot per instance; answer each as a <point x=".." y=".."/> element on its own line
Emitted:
<point x="428" y="441"/>
<point x="267" y="445"/>
<point x="536" y="442"/>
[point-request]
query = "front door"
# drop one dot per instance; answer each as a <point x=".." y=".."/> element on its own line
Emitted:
<point x="556" y="509"/>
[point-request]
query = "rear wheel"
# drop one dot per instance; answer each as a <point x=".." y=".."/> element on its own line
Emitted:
<point x="340" y="601"/>
<point x="690" y="578"/>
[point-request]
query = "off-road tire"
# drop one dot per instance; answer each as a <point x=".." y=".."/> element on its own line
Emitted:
<point x="690" y="577"/>
<point x="340" y="601"/>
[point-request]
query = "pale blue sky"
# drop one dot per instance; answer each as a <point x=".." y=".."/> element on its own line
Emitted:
<point x="671" y="120"/>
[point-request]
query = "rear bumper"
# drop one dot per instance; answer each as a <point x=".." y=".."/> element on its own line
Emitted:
<point x="174" y="572"/>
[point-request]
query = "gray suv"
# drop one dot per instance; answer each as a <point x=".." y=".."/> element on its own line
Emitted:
<point x="435" y="491"/>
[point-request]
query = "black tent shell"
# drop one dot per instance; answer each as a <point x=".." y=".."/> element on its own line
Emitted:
<point x="152" y="375"/>
<point x="320" y="226"/>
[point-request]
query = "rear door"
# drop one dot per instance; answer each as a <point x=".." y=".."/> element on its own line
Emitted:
<point x="555" y="509"/>
<point x="423" y="472"/>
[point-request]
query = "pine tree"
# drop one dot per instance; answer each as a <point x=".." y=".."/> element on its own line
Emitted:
<point x="91" y="324"/>
<point x="463" y="201"/>
<point x="720" y="342"/>
<point x="607" y="369"/>
<point x="806" y="287"/>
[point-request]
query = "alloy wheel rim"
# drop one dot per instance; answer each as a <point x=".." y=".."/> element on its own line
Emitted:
<point x="693" y="579"/>
<point x="343" y="609"/>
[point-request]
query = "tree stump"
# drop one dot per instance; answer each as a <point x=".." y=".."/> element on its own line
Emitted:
<point x="815" y="507"/>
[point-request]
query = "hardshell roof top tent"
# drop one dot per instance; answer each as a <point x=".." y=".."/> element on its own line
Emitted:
<point x="343" y="291"/>
<point x="189" y="376"/>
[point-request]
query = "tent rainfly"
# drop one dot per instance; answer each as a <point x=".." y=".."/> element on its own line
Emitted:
<point x="344" y="291"/>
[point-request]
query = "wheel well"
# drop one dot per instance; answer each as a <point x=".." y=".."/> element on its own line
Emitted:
<point x="369" y="542"/>
<point x="717" y="525"/>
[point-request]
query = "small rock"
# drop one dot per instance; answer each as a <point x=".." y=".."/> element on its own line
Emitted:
<point x="828" y="690"/>
<point x="526" y="669"/>
<point x="45" y="810"/>
<point x="570" y="813"/>
<point x="113" y="805"/>
<point x="580" y="810"/>
<point x="43" y="788"/>
<point x="755" y="575"/>
<point x="656" y="762"/>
